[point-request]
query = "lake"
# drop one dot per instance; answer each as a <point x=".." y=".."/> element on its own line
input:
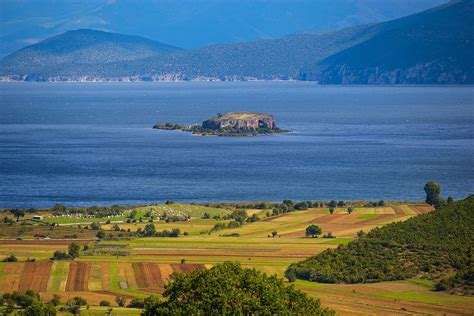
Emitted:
<point x="93" y="143"/>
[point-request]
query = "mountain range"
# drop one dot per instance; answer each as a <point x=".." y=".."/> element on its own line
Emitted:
<point x="191" y="23"/>
<point x="431" y="47"/>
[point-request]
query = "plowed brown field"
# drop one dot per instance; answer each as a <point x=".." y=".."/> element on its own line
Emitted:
<point x="35" y="276"/>
<point x="78" y="276"/>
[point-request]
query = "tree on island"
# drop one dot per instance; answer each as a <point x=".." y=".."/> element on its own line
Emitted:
<point x="313" y="231"/>
<point x="229" y="289"/>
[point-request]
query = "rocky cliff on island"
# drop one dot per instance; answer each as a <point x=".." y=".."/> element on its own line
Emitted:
<point x="230" y="124"/>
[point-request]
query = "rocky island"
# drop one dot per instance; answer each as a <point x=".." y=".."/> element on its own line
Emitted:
<point x="230" y="124"/>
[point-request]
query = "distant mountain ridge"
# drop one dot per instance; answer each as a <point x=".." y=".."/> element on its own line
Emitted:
<point x="431" y="47"/>
<point x="84" y="48"/>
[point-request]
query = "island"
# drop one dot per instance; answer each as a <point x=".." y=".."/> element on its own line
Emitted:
<point x="230" y="124"/>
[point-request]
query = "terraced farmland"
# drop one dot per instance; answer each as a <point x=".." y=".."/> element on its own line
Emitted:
<point x="138" y="267"/>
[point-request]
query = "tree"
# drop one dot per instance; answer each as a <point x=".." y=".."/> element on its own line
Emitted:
<point x="341" y="204"/>
<point x="56" y="300"/>
<point x="104" y="303"/>
<point x="450" y="200"/>
<point x="350" y="210"/>
<point x="381" y="203"/>
<point x="274" y="233"/>
<point x="10" y="258"/>
<point x="60" y="255"/>
<point x="17" y="213"/>
<point x="432" y="190"/>
<point x="331" y="210"/>
<point x="95" y="226"/>
<point x="74" y="250"/>
<point x="149" y="230"/>
<point x="100" y="234"/>
<point x="313" y="231"/>
<point x="229" y="289"/>
<point x="38" y="308"/>
<point x="120" y="300"/>
<point x="332" y="203"/>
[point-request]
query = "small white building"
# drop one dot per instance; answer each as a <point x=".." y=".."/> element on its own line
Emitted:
<point x="37" y="218"/>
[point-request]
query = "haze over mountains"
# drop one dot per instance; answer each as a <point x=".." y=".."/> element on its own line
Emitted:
<point x="431" y="47"/>
<point x="191" y="23"/>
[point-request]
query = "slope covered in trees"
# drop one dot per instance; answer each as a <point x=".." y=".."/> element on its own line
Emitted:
<point x="431" y="47"/>
<point x="439" y="245"/>
<point x="81" y="49"/>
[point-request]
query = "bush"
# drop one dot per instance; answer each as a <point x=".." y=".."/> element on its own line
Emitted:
<point x="10" y="258"/>
<point x="61" y="255"/>
<point x="104" y="303"/>
<point x="136" y="303"/>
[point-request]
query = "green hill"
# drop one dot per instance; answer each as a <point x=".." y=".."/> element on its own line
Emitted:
<point x="432" y="47"/>
<point x="81" y="49"/>
<point x="438" y="245"/>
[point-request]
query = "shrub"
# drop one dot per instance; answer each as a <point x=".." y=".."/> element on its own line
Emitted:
<point x="10" y="258"/>
<point x="61" y="255"/>
<point x="104" y="303"/>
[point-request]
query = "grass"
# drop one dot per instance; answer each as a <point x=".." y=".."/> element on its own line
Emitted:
<point x="427" y="297"/>
<point x="114" y="277"/>
<point x="58" y="276"/>
<point x="100" y="311"/>
<point x="367" y="216"/>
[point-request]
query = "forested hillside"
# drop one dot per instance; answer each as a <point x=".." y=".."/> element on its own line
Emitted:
<point x="82" y="49"/>
<point x="432" y="47"/>
<point x="438" y="245"/>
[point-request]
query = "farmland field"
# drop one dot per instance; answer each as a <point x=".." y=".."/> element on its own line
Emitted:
<point x="139" y="267"/>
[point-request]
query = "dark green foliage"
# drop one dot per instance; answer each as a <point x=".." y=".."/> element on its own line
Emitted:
<point x="149" y="230"/>
<point x="229" y="289"/>
<point x="10" y="258"/>
<point x="313" y="231"/>
<point x="39" y="308"/>
<point x="433" y="191"/>
<point x="56" y="300"/>
<point x="434" y="243"/>
<point x="252" y="219"/>
<point x="17" y="213"/>
<point x="100" y="234"/>
<point x="95" y="226"/>
<point x="136" y="303"/>
<point x="61" y="255"/>
<point x="74" y="250"/>
<point x="104" y="303"/>
<point x="23" y="300"/>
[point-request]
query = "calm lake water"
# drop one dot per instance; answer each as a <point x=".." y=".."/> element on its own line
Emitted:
<point x="83" y="144"/>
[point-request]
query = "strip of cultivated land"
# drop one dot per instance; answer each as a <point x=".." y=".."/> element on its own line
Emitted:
<point x="138" y="267"/>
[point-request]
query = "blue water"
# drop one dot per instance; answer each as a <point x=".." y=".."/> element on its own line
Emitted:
<point x="83" y="144"/>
